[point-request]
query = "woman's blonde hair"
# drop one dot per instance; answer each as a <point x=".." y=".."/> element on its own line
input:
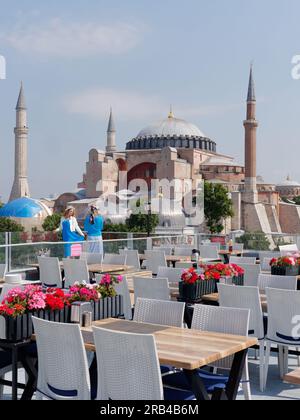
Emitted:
<point x="67" y="211"/>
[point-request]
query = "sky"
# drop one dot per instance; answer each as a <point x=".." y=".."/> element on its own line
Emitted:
<point x="76" y="59"/>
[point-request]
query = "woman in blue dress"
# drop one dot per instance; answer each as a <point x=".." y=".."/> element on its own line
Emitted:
<point x="70" y="231"/>
<point x="93" y="226"/>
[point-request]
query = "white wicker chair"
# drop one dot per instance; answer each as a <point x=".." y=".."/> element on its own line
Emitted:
<point x="166" y="250"/>
<point x="92" y="258"/>
<point x="151" y="288"/>
<point x="122" y="289"/>
<point x="238" y="247"/>
<point x="75" y="270"/>
<point x="242" y="260"/>
<point x="184" y="251"/>
<point x="209" y="251"/>
<point x="159" y="312"/>
<point x="183" y="266"/>
<point x="2" y="271"/>
<point x="134" y="373"/>
<point x="63" y="367"/>
<point x="115" y="259"/>
<point x="283" y="316"/>
<point x="154" y="260"/>
<point x="50" y="271"/>
<point x="252" y="272"/>
<point x="132" y="258"/>
<point x="277" y="282"/>
<point x="226" y="321"/>
<point x="288" y="249"/>
<point x="247" y="298"/>
<point x="265" y="264"/>
<point x="172" y="274"/>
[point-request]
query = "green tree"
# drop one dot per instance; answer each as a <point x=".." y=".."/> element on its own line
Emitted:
<point x="257" y="241"/>
<point x="297" y="200"/>
<point x="52" y="223"/>
<point x="142" y="222"/>
<point x="217" y="206"/>
<point x="8" y="225"/>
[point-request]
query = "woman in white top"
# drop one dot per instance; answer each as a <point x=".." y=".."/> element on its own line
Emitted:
<point x="69" y="215"/>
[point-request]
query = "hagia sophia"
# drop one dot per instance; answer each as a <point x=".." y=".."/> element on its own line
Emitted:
<point x="169" y="149"/>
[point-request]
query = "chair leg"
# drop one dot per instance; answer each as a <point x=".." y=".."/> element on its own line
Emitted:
<point x="298" y="357"/>
<point x="261" y="365"/>
<point x="1" y="389"/>
<point x="246" y="382"/>
<point x="267" y="360"/>
<point x="285" y="360"/>
<point x="280" y="361"/>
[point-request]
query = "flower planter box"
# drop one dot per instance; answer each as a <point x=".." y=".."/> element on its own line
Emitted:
<point x="191" y="293"/>
<point x="21" y="328"/>
<point x="285" y="271"/>
<point x="111" y="307"/>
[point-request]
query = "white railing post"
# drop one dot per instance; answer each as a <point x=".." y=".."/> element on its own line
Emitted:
<point x="130" y="240"/>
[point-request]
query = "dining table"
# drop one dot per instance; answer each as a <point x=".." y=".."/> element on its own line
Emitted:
<point x="188" y="350"/>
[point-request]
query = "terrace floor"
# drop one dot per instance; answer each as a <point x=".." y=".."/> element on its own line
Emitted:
<point x="276" y="389"/>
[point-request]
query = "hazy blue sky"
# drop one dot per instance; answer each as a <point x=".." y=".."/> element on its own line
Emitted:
<point x="78" y="58"/>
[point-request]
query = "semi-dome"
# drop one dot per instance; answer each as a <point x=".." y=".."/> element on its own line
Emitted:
<point x="171" y="132"/>
<point x="24" y="208"/>
<point x="288" y="183"/>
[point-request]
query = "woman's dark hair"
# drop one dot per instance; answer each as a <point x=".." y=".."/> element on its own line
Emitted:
<point x="92" y="215"/>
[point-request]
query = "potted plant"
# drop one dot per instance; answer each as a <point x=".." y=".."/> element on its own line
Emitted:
<point x="103" y="297"/>
<point x="285" y="266"/>
<point x="194" y="285"/>
<point x="231" y="272"/>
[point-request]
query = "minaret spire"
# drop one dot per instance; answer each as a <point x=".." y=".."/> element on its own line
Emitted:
<point x="20" y="187"/>
<point x="251" y="125"/>
<point x="111" y="134"/>
<point x="251" y="88"/>
<point x="171" y="113"/>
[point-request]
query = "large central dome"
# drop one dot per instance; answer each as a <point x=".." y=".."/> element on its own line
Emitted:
<point x="171" y="127"/>
<point x="172" y="132"/>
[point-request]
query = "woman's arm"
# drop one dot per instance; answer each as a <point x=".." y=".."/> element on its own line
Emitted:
<point x="77" y="228"/>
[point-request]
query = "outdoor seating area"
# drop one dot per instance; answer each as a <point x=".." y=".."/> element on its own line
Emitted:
<point x="198" y="327"/>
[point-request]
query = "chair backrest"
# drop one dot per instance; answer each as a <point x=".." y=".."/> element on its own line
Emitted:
<point x="160" y="312"/>
<point x="121" y="289"/>
<point x="252" y="271"/>
<point x="277" y="282"/>
<point x="63" y="372"/>
<point x="165" y="249"/>
<point x="114" y="259"/>
<point x="242" y="260"/>
<point x="75" y="270"/>
<point x="268" y="254"/>
<point x="154" y="260"/>
<point x="287" y="249"/>
<point x="246" y="298"/>
<point x="172" y="274"/>
<point x="183" y="251"/>
<point x="50" y="271"/>
<point x="132" y="258"/>
<point x="209" y="251"/>
<point x="92" y="258"/>
<point x="265" y="264"/>
<point x="183" y="265"/>
<point x="238" y="247"/>
<point x="151" y="288"/>
<point x="134" y="373"/>
<point x="221" y="320"/>
<point x="283" y="316"/>
<point x="2" y="271"/>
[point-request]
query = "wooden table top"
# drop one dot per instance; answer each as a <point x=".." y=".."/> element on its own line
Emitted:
<point x="214" y="298"/>
<point x="109" y="268"/>
<point x="227" y="252"/>
<point x="182" y="258"/>
<point x="178" y="347"/>
<point x="293" y="377"/>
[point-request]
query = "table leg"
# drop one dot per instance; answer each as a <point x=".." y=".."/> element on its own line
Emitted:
<point x="197" y="385"/>
<point x="236" y="375"/>
<point x="31" y="370"/>
<point x="14" y="354"/>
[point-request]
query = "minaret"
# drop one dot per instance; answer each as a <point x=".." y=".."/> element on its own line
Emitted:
<point x="20" y="187"/>
<point x="111" y="135"/>
<point x="250" y="125"/>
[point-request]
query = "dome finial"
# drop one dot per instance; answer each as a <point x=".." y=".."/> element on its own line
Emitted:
<point x="171" y="114"/>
